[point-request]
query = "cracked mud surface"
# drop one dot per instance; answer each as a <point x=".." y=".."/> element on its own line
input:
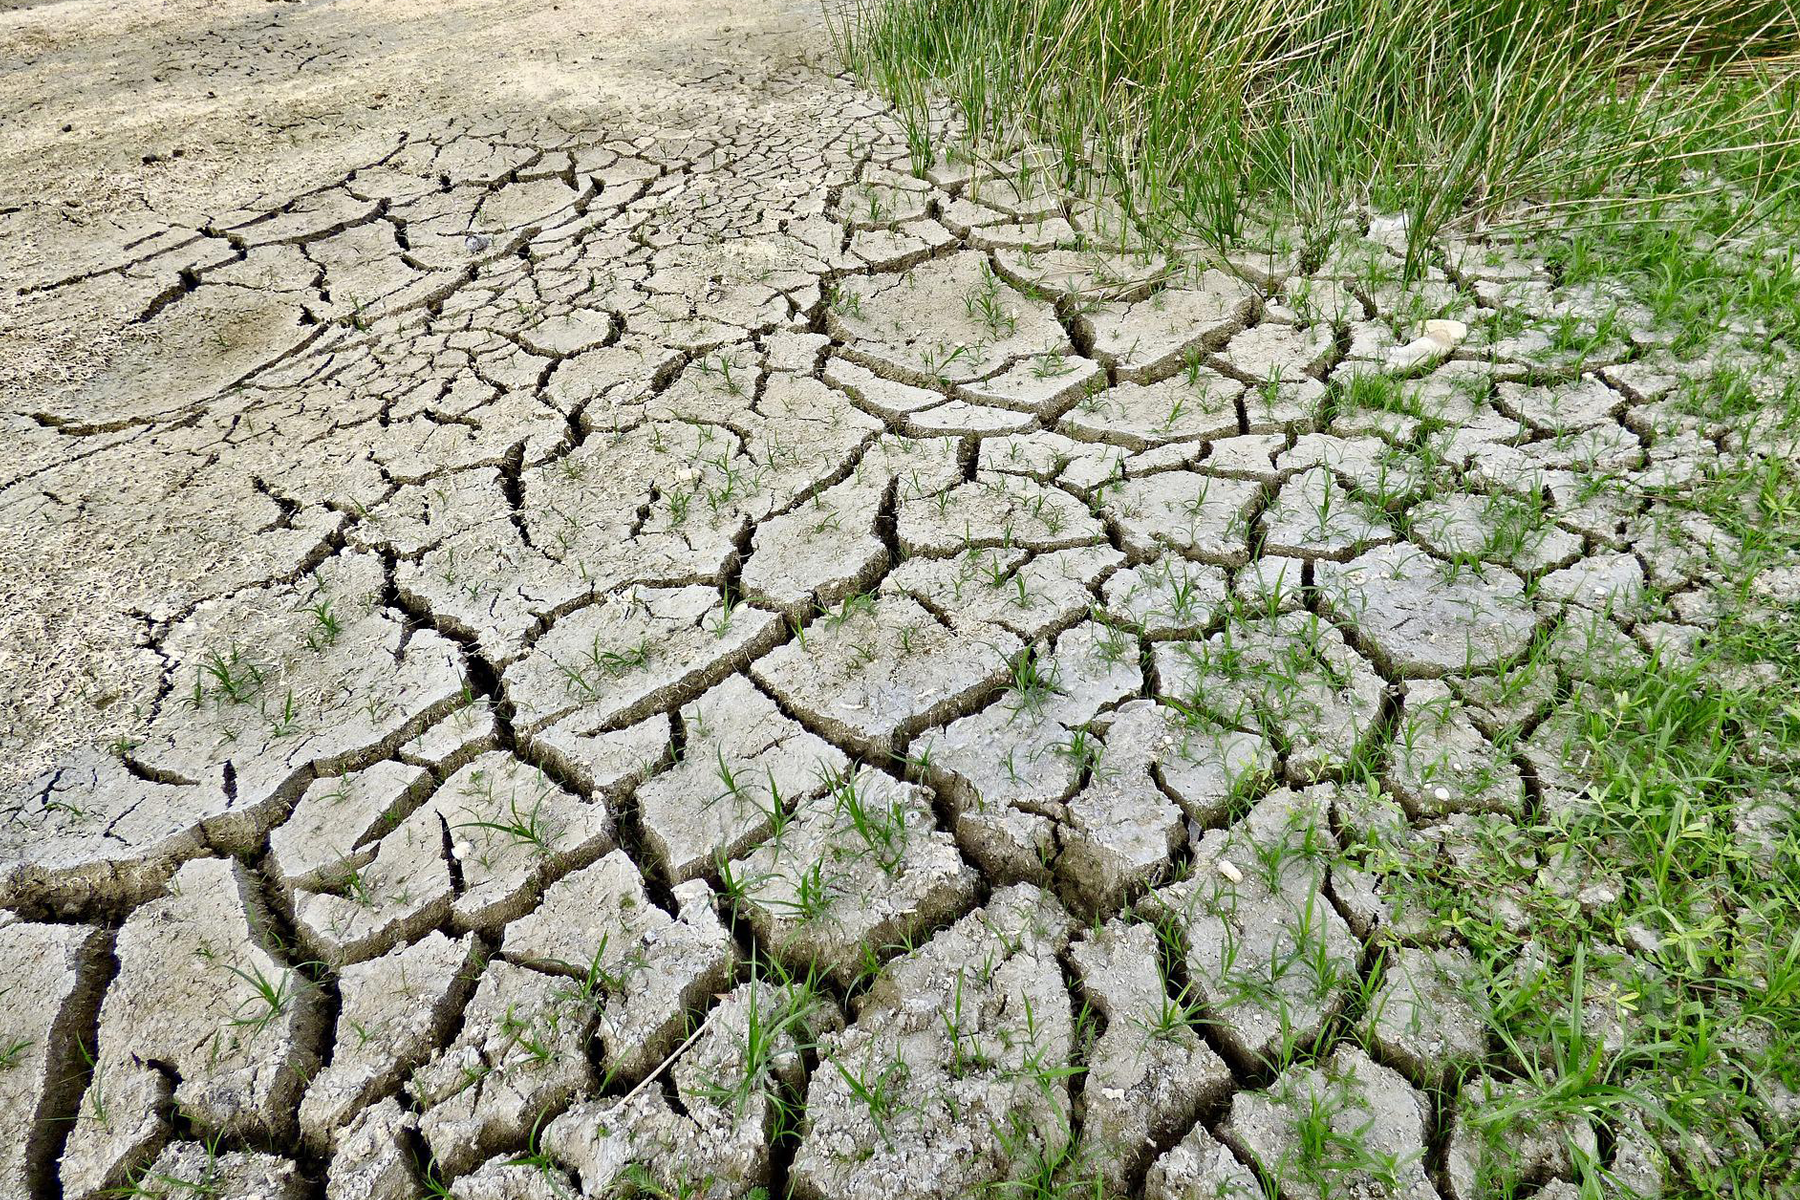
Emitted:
<point x="484" y="609"/>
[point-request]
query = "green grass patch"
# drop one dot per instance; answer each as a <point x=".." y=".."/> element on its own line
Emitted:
<point x="1213" y="118"/>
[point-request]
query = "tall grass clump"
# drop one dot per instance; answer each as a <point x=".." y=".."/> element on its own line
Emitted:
<point x="1199" y="115"/>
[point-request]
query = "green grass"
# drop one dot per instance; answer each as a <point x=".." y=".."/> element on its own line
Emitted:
<point x="1208" y="119"/>
<point x="1675" y="754"/>
<point x="1709" y="1021"/>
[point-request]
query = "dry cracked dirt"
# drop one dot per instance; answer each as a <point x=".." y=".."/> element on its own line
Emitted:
<point x="600" y="634"/>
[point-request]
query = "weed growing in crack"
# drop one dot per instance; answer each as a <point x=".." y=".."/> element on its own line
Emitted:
<point x="229" y="677"/>
<point x="1032" y="681"/>
<point x="1052" y="1170"/>
<point x="986" y="304"/>
<point x="326" y="626"/>
<point x="776" y="1027"/>
<point x="600" y="662"/>
<point x="286" y="721"/>
<point x="12" y="1053"/>
<point x="163" y="1185"/>
<point x="270" y="999"/>
<point x="876" y="1088"/>
<point x="521" y="825"/>
<point x="1051" y="364"/>
<point x="862" y="604"/>
<point x="843" y="301"/>
<point x="881" y="829"/>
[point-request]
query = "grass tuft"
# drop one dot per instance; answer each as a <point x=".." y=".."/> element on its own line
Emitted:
<point x="1203" y="119"/>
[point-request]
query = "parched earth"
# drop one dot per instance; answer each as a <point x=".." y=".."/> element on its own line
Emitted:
<point x="652" y="647"/>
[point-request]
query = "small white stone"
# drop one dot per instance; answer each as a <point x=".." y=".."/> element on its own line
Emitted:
<point x="1446" y="332"/>
<point x="1441" y="794"/>
<point x="1415" y="353"/>
<point x="1229" y="871"/>
<point x="460" y="850"/>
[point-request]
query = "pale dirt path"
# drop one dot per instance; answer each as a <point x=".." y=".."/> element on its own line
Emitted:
<point x="125" y="126"/>
<point x="118" y="120"/>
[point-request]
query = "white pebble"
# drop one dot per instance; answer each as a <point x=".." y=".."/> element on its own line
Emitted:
<point x="1230" y="872"/>
<point x="1446" y="332"/>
